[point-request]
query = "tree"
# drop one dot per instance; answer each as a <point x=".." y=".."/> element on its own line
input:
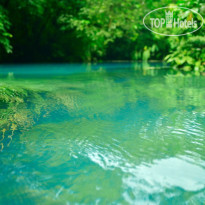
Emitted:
<point x="4" y="30"/>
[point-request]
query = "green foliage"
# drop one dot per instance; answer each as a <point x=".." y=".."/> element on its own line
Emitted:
<point x="188" y="53"/>
<point x="99" y="23"/>
<point x="93" y="30"/>
<point x="4" y="33"/>
<point x="76" y="30"/>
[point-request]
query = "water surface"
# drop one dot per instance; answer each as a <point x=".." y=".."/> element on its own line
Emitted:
<point x="101" y="134"/>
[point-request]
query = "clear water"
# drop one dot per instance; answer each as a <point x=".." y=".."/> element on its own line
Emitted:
<point x="103" y="134"/>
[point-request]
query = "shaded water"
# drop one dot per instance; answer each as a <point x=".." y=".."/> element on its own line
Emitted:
<point x="102" y="134"/>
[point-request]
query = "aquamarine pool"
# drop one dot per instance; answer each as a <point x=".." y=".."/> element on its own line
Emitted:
<point x="101" y="134"/>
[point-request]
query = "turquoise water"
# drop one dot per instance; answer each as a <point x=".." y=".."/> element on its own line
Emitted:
<point x="106" y="134"/>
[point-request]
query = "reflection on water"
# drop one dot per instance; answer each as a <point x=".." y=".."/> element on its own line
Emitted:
<point x="103" y="134"/>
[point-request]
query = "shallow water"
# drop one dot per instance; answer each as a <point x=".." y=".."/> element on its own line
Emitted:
<point x="103" y="134"/>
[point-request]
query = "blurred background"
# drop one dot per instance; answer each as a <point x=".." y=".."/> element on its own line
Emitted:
<point x="42" y="31"/>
